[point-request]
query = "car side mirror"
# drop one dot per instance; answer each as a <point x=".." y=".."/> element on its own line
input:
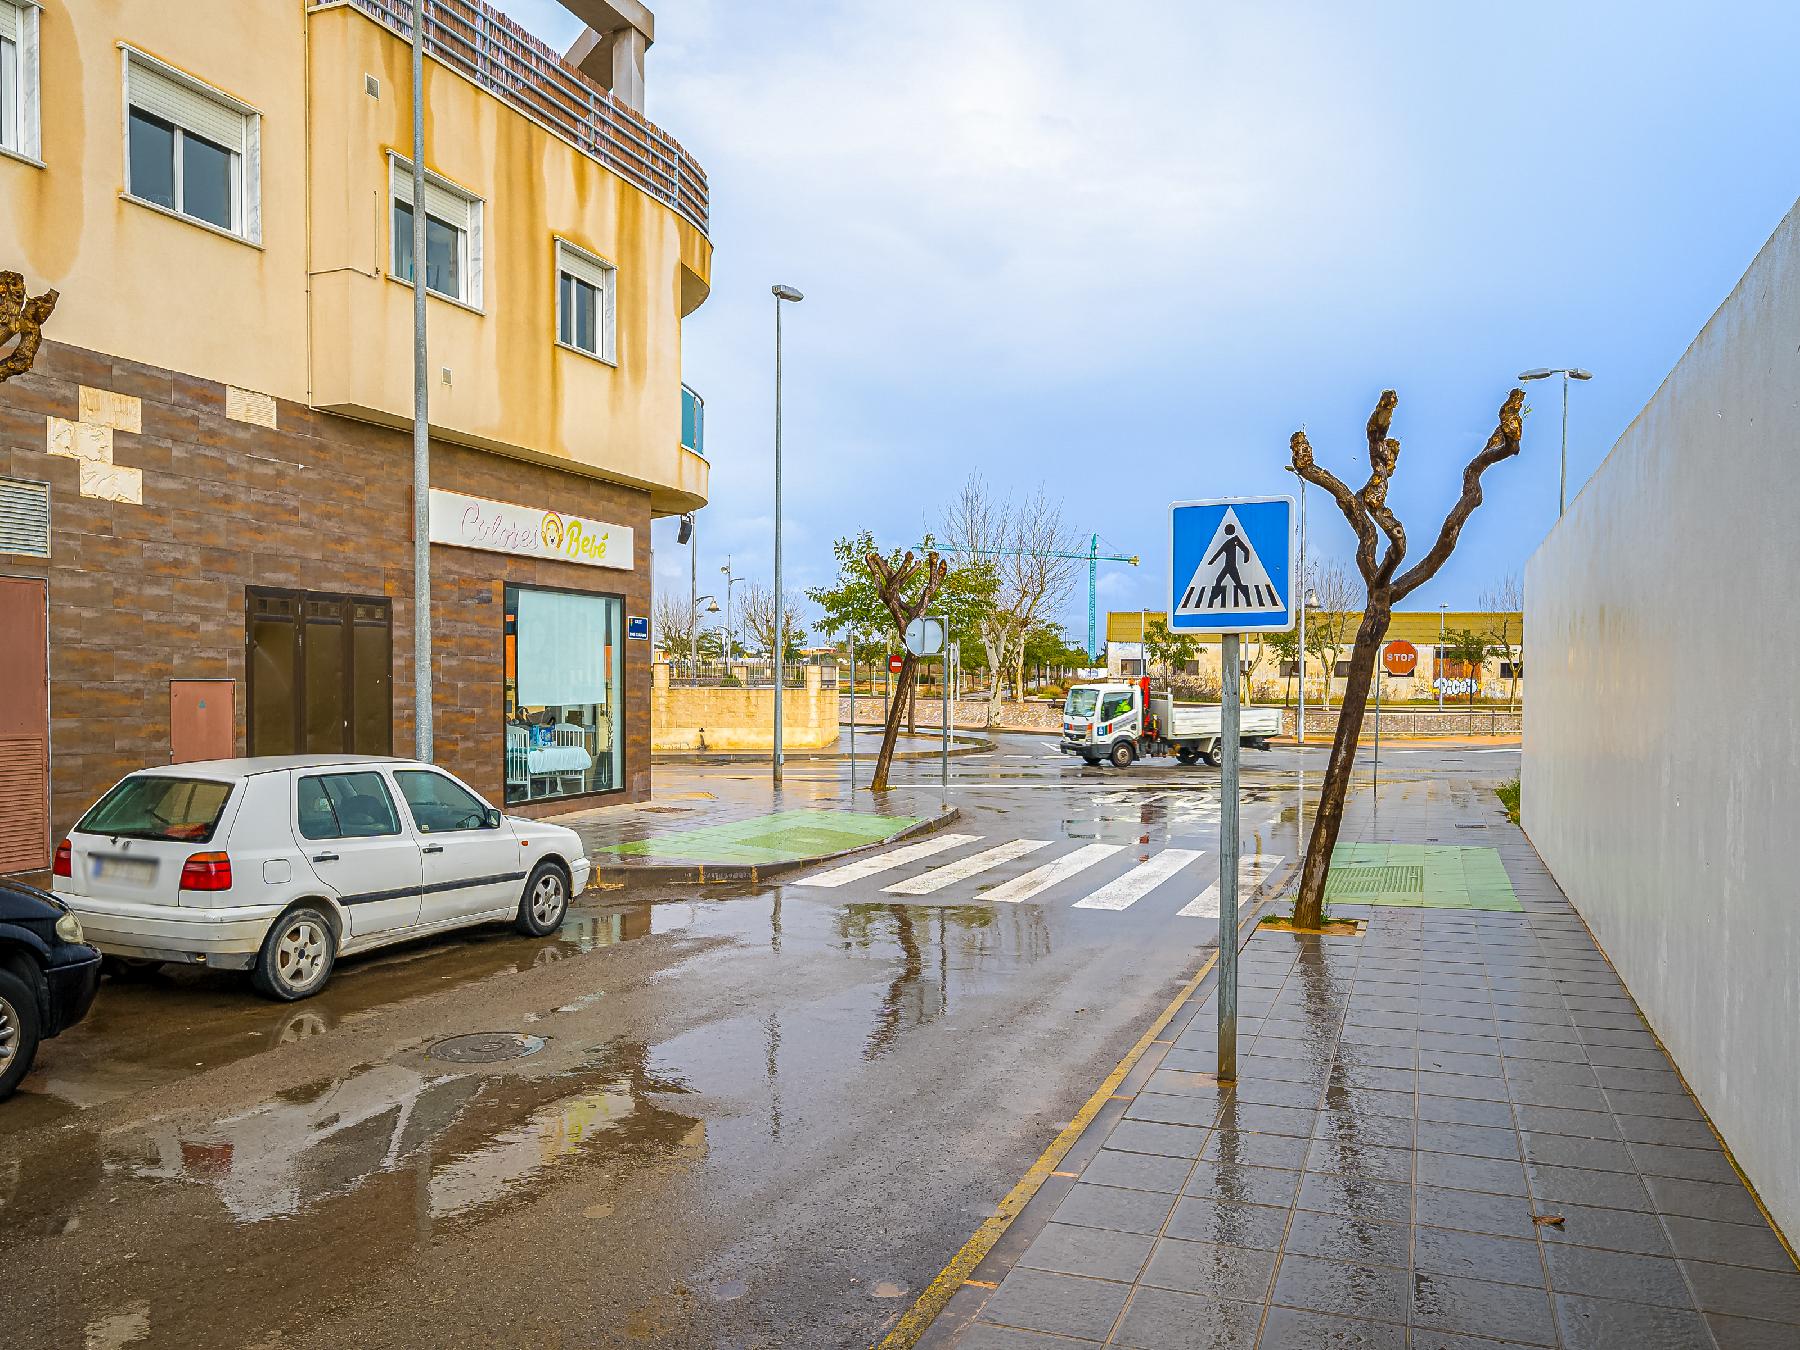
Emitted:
<point x="491" y="818"/>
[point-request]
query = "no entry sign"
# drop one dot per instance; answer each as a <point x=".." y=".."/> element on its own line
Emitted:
<point x="1400" y="658"/>
<point x="894" y="664"/>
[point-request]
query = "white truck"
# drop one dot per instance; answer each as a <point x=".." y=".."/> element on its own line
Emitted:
<point x="1125" y="721"/>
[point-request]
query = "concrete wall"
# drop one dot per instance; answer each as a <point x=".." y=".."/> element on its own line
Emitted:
<point x="1662" y="808"/>
<point x="724" y="720"/>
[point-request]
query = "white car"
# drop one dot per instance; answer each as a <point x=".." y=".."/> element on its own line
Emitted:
<point x="279" y="865"/>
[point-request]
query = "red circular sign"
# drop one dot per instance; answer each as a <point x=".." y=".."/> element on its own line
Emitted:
<point x="894" y="664"/>
<point x="1400" y="658"/>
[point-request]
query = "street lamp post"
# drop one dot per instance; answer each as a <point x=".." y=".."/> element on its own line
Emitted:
<point x="791" y="296"/>
<point x="422" y="695"/>
<point x="712" y="607"/>
<point x="1300" y="722"/>
<point x="1443" y="611"/>
<point x="1569" y="373"/>
<point x="731" y="579"/>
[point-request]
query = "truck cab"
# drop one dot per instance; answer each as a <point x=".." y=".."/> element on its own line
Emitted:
<point x="1104" y="721"/>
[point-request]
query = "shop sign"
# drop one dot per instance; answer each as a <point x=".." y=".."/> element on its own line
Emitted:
<point x="527" y="531"/>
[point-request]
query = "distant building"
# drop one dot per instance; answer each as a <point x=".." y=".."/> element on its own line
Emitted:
<point x="1272" y="678"/>
<point x="206" y="480"/>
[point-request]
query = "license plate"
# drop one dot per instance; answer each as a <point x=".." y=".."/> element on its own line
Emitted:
<point x="130" y="871"/>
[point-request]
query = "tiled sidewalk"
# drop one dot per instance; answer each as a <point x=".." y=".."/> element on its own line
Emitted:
<point x="1414" y="1103"/>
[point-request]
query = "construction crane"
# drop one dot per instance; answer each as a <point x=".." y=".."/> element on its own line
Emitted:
<point x="1093" y="557"/>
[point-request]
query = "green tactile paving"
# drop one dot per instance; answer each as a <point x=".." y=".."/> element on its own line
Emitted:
<point x="1430" y="876"/>
<point x="786" y="836"/>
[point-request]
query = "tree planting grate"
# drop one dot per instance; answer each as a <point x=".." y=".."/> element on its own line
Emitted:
<point x="486" y="1047"/>
<point x="1345" y="883"/>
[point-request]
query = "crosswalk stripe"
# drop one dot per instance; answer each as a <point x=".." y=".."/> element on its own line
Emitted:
<point x="963" y="868"/>
<point x="1123" y="892"/>
<point x="882" y="862"/>
<point x="1060" y="869"/>
<point x="1252" y="872"/>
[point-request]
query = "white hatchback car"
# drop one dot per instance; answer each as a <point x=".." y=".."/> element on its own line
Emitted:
<point x="279" y="865"/>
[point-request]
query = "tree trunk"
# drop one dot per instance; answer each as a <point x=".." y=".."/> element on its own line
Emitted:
<point x="891" y="731"/>
<point x="1309" y="908"/>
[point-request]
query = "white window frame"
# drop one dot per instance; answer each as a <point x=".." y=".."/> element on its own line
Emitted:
<point x="246" y="162"/>
<point x="19" y="125"/>
<point x="446" y="201"/>
<point x="603" y="276"/>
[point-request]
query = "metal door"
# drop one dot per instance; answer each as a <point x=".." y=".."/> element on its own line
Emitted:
<point x="201" y="720"/>
<point x="24" y="725"/>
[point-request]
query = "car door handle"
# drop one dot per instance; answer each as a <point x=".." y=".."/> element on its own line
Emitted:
<point x="432" y="848"/>
<point x="325" y="857"/>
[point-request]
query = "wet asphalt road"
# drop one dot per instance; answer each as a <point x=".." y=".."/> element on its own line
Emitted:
<point x="761" y="1117"/>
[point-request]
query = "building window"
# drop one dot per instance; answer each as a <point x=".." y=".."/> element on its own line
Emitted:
<point x="190" y="149"/>
<point x="564" y="694"/>
<point x="452" y="235"/>
<point x="19" y="78"/>
<point x="584" y="301"/>
<point x="1341" y="671"/>
<point x="1510" y="669"/>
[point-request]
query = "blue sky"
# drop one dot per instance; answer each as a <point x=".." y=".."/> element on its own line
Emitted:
<point x="1125" y="256"/>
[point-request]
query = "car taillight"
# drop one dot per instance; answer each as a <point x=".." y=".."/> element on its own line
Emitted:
<point x="64" y="866"/>
<point x="206" y="872"/>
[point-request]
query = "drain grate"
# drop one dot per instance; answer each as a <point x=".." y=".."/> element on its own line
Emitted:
<point x="486" y="1047"/>
<point x="1343" y="883"/>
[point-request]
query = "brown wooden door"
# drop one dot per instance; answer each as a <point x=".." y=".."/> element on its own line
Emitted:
<point x="24" y="725"/>
<point x="201" y="722"/>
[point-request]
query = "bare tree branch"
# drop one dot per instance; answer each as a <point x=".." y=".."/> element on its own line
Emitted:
<point x="1307" y="468"/>
<point x="1503" y="444"/>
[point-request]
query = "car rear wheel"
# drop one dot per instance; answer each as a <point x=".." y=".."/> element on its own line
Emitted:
<point x="545" y="901"/>
<point x="19" y="1031"/>
<point x="297" y="955"/>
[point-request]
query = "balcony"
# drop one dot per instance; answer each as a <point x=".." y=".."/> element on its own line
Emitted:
<point x="693" y="421"/>
<point x="500" y="57"/>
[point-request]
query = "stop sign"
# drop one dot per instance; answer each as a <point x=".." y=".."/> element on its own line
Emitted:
<point x="894" y="664"/>
<point x="1400" y="658"/>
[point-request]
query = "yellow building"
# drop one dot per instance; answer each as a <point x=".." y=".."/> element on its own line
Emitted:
<point x="1273" y="679"/>
<point x="206" y="476"/>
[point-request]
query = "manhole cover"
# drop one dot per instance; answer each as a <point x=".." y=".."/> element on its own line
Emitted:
<point x="1344" y="882"/>
<point x="486" y="1047"/>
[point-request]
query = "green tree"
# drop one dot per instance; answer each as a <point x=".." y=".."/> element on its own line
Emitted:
<point x="1468" y="649"/>
<point x="1286" y="649"/>
<point x="1172" y="651"/>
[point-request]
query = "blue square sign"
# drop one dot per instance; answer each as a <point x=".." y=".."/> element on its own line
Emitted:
<point x="1231" y="565"/>
<point x="637" y="626"/>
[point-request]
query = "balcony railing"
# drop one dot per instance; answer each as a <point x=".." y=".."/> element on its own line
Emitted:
<point x="499" y="56"/>
<point x="693" y="421"/>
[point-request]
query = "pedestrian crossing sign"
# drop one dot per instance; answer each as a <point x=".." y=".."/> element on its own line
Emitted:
<point x="1232" y="565"/>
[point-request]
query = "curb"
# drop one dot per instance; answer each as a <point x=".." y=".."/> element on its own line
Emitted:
<point x="955" y="1297"/>
<point x="723" y="874"/>
<point x="971" y="746"/>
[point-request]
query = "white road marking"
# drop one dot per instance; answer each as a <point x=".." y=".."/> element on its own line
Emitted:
<point x="1123" y="892"/>
<point x="1042" y="878"/>
<point x="882" y="862"/>
<point x="963" y="868"/>
<point x="1252" y="872"/>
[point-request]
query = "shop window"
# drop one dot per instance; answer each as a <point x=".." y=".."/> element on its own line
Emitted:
<point x="191" y="150"/>
<point x="564" y="694"/>
<point x="19" y="78"/>
<point x="452" y="235"/>
<point x="584" y="301"/>
<point x="320" y="673"/>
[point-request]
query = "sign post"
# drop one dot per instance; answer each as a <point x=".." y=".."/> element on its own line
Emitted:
<point x="1231" y="572"/>
<point x="853" y="712"/>
<point x="944" y="715"/>
<point x="1398" y="658"/>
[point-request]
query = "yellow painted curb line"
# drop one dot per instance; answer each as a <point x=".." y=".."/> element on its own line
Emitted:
<point x="939" y="1292"/>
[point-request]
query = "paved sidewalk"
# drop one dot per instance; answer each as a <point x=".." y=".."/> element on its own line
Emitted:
<point x="711" y="826"/>
<point x="1452" y="1131"/>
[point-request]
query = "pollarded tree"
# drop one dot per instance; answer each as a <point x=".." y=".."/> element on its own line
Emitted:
<point x="1371" y="518"/>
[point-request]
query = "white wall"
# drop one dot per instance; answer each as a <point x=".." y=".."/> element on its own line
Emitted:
<point x="1669" y="813"/>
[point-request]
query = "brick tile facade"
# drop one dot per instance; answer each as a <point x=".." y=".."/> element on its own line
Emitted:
<point x="144" y="594"/>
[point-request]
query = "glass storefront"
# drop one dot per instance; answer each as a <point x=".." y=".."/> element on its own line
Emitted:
<point x="564" y="694"/>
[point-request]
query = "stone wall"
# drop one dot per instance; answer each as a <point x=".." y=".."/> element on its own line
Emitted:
<point x="171" y="494"/>
<point x="701" y="718"/>
<point x="1321" y="724"/>
<point x="969" y="714"/>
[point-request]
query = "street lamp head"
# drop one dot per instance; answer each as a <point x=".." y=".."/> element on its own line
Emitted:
<point x="1540" y="373"/>
<point x="713" y="608"/>
<point x="1312" y="599"/>
<point x="786" y="293"/>
<point x="1581" y="374"/>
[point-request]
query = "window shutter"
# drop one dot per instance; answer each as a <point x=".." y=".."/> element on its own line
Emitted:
<point x="450" y="207"/>
<point x="186" y="107"/>
<point x="24" y="517"/>
<point x="582" y="267"/>
<point x="9" y="21"/>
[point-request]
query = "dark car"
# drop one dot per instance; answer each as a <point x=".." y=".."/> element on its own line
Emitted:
<point x="48" y="976"/>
